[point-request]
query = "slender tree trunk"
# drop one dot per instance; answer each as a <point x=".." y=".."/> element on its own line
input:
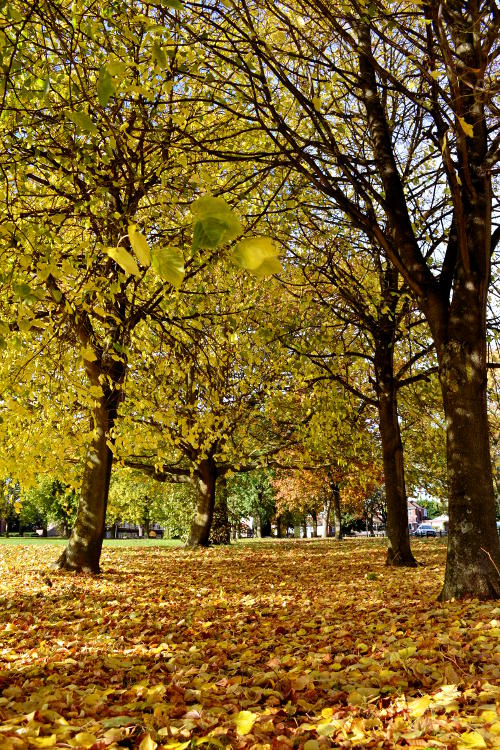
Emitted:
<point x="296" y="531"/>
<point x="304" y="527"/>
<point x="205" y="479"/>
<point x="83" y="551"/>
<point x="279" y="527"/>
<point x="314" y="517"/>
<point x="337" y="514"/>
<point x="221" y="530"/>
<point x="399" y="551"/>
<point x="326" y="514"/>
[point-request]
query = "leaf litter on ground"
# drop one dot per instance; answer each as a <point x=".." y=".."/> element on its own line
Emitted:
<point x="275" y="645"/>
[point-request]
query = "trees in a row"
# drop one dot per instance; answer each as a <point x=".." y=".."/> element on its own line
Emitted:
<point x="389" y="113"/>
<point x="361" y="137"/>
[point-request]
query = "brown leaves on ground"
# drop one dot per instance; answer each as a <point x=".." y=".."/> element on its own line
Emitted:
<point x="281" y="645"/>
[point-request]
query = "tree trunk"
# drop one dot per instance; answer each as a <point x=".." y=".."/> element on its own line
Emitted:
<point x="221" y="530"/>
<point x="279" y="527"/>
<point x="296" y="531"/>
<point x="205" y="479"/>
<point x="304" y="527"/>
<point x="326" y="524"/>
<point x="473" y="560"/>
<point x="265" y="527"/>
<point x="314" y="517"/>
<point x="83" y="551"/>
<point x="337" y="515"/>
<point x="399" y="551"/>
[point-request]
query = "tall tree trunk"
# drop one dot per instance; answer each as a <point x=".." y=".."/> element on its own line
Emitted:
<point x="205" y="480"/>
<point x="455" y="303"/>
<point x="279" y="527"/>
<point x="83" y="551"/>
<point x="326" y="523"/>
<point x="399" y="551"/>
<point x="221" y="529"/>
<point x="304" y="527"/>
<point x="473" y="560"/>
<point x="337" y="514"/>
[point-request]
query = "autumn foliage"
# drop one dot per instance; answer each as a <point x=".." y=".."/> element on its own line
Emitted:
<point x="279" y="645"/>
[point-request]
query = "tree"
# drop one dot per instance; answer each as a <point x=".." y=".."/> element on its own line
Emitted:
<point x="391" y="115"/>
<point x="49" y="500"/>
<point x="92" y="151"/>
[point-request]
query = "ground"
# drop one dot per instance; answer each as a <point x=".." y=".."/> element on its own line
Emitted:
<point x="294" y="644"/>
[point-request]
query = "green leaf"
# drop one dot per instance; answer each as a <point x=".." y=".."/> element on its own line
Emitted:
<point x="244" y="721"/>
<point x="174" y="4"/>
<point x="105" y="86"/>
<point x="118" y="721"/>
<point x="139" y="245"/>
<point x="215" y="223"/>
<point x="116" y="68"/>
<point x="124" y="259"/>
<point x="159" y="56"/>
<point x="82" y="121"/>
<point x="22" y="290"/>
<point x="257" y="255"/>
<point x="168" y="264"/>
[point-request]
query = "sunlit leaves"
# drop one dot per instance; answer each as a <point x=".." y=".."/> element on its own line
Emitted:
<point x="139" y="245"/>
<point x="82" y="121"/>
<point x="105" y="86"/>
<point x="258" y="255"/>
<point x="168" y="264"/>
<point x="270" y="621"/>
<point x="124" y="260"/>
<point x="214" y="223"/>
<point x="244" y="722"/>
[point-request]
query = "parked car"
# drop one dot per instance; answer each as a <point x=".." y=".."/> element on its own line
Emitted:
<point x="425" y="529"/>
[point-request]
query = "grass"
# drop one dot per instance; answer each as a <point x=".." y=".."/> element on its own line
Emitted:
<point x="120" y="543"/>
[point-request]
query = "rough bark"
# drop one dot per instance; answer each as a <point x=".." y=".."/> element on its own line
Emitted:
<point x="83" y="551"/>
<point x="399" y="551"/>
<point x="279" y="527"/>
<point x="473" y="560"/>
<point x="205" y="479"/>
<point x="221" y="529"/>
<point x="455" y="303"/>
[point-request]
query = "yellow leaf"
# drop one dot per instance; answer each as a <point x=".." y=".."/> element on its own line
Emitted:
<point x="96" y="391"/>
<point x="124" y="259"/>
<point x="471" y="739"/>
<point x="258" y="255"/>
<point x="148" y="743"/>
<point x="83" y="739"/>
<point x="88" y="354"/>
<point x="49" y="741"/>
<point x="244" y="722"/>
<point x="311" y="745"/>
<point x="466" y="127"/>
<point x="139" y="245"/>
<point x="327" y="713"/>
<point x="419" y="706"/>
